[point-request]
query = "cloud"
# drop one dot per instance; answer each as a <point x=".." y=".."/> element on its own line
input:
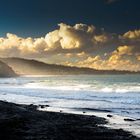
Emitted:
<point x="113" y="62"/>
<point x="132" y="35"/>
<point x="70" y="37"/>
<point x="122" y="58"/>
<point x="13" y="45"/>
<point x="100" y="38"/>
<point x="79" y="45"/>
<point x="75" y="37"/>
<point x="80" y="55"/>
<point x="138" y="58"/>
<point x="131" y="38"/>
<point x="53" y="40"/>
<point x="123" y="50"/>
<point x="67" y="38"/>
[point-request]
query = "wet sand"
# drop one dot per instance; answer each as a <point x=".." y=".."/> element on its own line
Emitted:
<point x="25" y="122"/>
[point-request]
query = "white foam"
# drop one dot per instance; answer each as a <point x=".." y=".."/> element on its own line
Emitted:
<point x="20" y="99"/>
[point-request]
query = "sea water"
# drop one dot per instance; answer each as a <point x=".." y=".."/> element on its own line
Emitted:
<point x="119" y="94"/>
<point x="115" y="94"/>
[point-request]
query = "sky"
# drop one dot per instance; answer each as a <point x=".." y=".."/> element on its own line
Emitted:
<point x="101" y="34"/>
<point x="37" y="17"/>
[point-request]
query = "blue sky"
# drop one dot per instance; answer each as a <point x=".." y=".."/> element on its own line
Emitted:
<point x="37" y="17"/>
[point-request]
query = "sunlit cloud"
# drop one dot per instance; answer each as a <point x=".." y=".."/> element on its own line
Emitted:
<point x="79" y="36"/>
<point x="79" y="45"/>
<point x="132" y="35"/>
<point x="121" y="59"/>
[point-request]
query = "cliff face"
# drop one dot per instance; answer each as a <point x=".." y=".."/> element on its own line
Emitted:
<point x="6" y="71"/>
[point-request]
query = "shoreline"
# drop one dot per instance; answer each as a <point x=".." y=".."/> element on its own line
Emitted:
<point x="114" y="121"/>
<point x="25" y="122"/>
<point x="117" y="121"/>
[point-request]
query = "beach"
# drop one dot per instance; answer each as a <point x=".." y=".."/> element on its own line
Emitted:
<point x="115" y="98"/>
<point x="25" y="122"/>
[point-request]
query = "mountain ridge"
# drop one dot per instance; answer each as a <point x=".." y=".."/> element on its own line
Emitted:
<point x="34" y="67"/>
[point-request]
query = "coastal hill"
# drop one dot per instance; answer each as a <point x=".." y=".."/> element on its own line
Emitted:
<point x="34" y="67"/>
<point x="6" y="71"/>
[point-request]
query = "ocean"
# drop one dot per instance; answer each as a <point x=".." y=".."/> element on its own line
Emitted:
<point x="110" y="94"/>
<point x="119" y="94"/>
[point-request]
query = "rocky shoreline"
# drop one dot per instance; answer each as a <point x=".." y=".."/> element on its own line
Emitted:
<point x="25" y="122"/>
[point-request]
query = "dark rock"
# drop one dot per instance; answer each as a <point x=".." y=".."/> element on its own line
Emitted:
<point x="138" y="119"/>
<point x="129" y="120"/>
<point x="43" y="106"/>
<point x="110" y="116"/>
<point x="31" y="107"/>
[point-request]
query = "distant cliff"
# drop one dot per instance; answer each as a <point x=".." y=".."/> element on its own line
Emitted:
<point x="6" y="71"/>
<point x="33" y="67"/>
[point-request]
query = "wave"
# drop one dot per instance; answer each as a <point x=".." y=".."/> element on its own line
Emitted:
<point x="70" y="83"/>
<point x="115" y="93"/>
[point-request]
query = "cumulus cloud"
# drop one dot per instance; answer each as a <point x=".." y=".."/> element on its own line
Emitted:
<point x="132" y="35"/>
<point x="77" y="37"/>
<point x="13" y="45"/>
<point x="70" y="37"/>
<point x="79" y="45"/>
<point x="120" y="59"/>
<point x="131" y="38"/>
<point x="53" y="40"/>
<point x="123" y="50"/>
